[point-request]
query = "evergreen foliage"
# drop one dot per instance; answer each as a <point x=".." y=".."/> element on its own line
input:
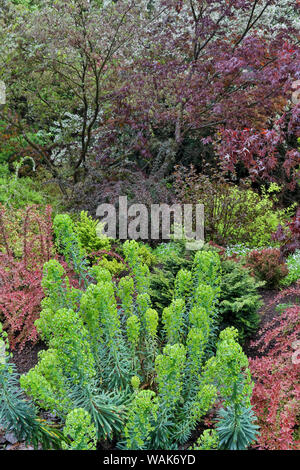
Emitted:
<point x="239" y="299"/>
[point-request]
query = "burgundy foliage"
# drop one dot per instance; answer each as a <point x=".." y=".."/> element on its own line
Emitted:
<point x="265" y="153"/>
<point x="206" y="74"/>
<point x="267" y="266"/>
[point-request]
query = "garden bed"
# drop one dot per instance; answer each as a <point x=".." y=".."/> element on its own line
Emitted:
<point x="27" y="358"/>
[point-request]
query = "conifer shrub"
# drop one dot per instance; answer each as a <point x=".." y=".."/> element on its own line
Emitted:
<point x="171" y="258"/>
<point x="90" y="234"/>
<point x="239" y="299"/>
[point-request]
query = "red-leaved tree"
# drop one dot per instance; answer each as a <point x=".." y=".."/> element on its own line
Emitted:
<point x="221" y="72"/>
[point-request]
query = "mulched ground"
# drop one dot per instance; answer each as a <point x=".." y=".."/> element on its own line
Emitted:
<point x="267" y="313"/>
<point x="27" y="357"/>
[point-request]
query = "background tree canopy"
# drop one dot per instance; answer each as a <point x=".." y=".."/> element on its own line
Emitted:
<point x="96" y="83"/>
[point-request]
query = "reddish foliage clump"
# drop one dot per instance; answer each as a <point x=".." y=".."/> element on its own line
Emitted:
<point x="289" y="236"/>
<point x="276" y="392"/>
<point x="258" y="151"/>
<point x="267" y="265"/>
<point x="220" y="249"/>
<point x="21" y="273"/>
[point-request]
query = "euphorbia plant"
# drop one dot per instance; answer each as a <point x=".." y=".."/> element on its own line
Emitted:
<point x="106" y="356"/>
<point x="18" y="415"/>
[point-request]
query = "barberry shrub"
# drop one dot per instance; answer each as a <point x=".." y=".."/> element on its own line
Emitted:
<point x="146" y="388"/>
<point x="25" y="245"/>
<point x="275" y="372"/>
<point x="267" y="265"/>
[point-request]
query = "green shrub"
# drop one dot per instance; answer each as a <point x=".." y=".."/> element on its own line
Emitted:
<point x="114" y="266"/>
<point x="209" y="440"/>
<point x="233" y="214"/>
<point x="89" y="233"/>
<point x="17" y="192"/>
<point x="239" y="299"/>
<point x="262" y="216"/>
<point x="293" y="265"/>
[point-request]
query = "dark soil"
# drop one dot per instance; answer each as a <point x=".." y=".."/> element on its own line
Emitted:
<point x="27" y="357"/>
